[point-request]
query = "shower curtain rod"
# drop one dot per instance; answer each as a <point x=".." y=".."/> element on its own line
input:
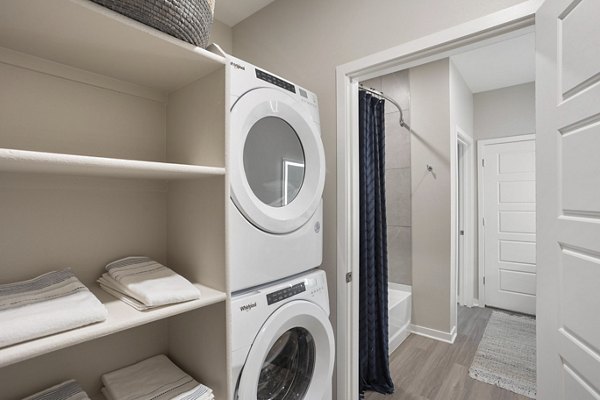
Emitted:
<point x="383" y="96"/>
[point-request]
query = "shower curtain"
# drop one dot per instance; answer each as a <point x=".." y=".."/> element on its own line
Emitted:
<point x="374" y="370"/>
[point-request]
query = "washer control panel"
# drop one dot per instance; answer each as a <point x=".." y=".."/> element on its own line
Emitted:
<point x="282" y="294"/>
<point x="265" y="76"/>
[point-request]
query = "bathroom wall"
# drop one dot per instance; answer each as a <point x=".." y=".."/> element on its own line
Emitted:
<point x="397" y="176"/>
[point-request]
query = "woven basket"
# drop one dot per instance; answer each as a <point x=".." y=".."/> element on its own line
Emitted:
<point x="188" y="20"/>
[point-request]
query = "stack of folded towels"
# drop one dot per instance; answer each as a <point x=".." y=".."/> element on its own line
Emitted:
<point x="51" y="303"/>
<point x="144" y="284"/>
<point x="69" y="390"/>
<point x="156" y="378"/>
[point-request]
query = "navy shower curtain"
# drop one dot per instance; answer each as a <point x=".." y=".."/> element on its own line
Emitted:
<point x="374" y="370"/>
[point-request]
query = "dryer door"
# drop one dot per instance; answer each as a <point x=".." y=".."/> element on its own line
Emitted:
<point x="277" y="162"/>
<point x="291" y="357"/>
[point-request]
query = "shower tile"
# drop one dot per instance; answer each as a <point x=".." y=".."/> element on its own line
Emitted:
<point x="397" y="87"/>
<point x="398" y="196"/>
<point x="399" y="254"/>
<point x="397" y="142"/>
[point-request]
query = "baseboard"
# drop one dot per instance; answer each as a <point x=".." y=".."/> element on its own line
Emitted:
<point x="447" y="337"/>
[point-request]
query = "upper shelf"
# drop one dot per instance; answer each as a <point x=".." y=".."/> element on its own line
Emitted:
<point x="120" y="317"/>
<point x="41" y="162"/>
<point x="84" y="35"/>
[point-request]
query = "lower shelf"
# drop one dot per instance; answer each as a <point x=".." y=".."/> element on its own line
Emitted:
<point x="120" y="317"/>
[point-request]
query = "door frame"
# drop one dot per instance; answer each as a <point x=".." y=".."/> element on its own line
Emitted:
<point x="481" y="204"/>
<point x="476" y="33"/>
<point x="467" y="297"/>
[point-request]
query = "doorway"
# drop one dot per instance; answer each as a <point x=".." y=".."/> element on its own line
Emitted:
<point x="464" y="232"/>
<point x="507" y="231"/>
<point x="478" y="34"/>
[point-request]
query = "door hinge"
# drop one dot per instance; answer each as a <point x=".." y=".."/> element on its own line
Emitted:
<point x="462" y="233"/>
<point x="483" y="162"/>
<point x="483" y="221"/>
<point x="484" y="280"/>
<point x="348" y="277"/>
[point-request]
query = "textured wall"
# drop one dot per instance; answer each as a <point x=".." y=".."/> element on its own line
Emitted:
<point x="397" y="176"/>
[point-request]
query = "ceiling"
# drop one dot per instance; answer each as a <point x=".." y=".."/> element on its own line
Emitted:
<point x="230" y="12"/>
<point x="507" y="63"/>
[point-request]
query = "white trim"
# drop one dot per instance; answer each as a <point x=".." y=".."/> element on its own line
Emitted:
<point x="481" y="206"/>
<point x="466" y="275"/>
<point x="448" y="337"/>
<point x="480" y="32"/>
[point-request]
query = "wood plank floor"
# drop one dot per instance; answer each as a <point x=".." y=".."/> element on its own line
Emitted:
<point x="427" y="369"/>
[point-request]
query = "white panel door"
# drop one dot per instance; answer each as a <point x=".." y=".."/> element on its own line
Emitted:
<point x="509" y="230"/>
<point x="568" y="165"/>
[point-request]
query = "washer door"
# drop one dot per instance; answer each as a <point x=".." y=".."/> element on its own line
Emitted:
<point x="277" y="162"/>
<point x="291" y="357"/>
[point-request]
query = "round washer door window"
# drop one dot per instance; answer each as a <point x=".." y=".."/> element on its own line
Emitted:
<point x="288" y="368"/>
<point x="291" y="357"/>
<point x="274" y="161"/>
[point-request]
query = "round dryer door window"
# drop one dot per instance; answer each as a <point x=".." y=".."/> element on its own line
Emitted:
<point x="291" y="357"/>
<point x="276" y="162"/>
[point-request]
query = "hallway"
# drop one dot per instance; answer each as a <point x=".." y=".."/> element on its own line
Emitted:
<point x="427" y="369"/>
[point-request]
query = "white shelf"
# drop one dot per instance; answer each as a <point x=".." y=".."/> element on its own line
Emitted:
<point x="84" y="35"/>
<point x="40" y="162"/>
<point x="120" y="317"/>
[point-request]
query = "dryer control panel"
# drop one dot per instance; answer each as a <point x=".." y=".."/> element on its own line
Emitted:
<point x="265" y="76"/>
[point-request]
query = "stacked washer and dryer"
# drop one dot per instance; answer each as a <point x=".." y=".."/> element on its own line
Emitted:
<point x="282" y="340"/>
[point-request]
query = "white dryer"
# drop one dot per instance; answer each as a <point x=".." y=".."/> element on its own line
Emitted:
<point x="282" y="341"/>
<point x="276" y="169"/>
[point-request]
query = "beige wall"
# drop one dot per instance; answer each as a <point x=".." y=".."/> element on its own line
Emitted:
<point x="505" y="112"/>
<point x="430" y="144"/>
<point x="222" y="35"/>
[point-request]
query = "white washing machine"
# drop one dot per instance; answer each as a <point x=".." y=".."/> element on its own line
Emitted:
<point x="282" y="340"/>
<point x="276" y="169"/>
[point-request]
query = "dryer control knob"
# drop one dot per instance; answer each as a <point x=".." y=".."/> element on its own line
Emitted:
<point x="317" y="227"/>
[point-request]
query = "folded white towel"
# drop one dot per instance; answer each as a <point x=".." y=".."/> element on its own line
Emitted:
<point x="51" y="303"/>
<point x="200" y="392"/>
<point x="69" y="390"/>
<point x="156" y="378"/>
<point x="149" y="282"/>
<point x="109" y="288"/>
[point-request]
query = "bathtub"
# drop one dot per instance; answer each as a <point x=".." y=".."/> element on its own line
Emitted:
<point x="399" y="312"/>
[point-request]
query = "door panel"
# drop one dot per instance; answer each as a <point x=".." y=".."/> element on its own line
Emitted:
<point x="509" y="231"/>
<point x="568" y="249"/>
<point x="517" y="252"/>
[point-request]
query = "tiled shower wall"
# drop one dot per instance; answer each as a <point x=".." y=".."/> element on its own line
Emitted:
<point x="397" y="175"/>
